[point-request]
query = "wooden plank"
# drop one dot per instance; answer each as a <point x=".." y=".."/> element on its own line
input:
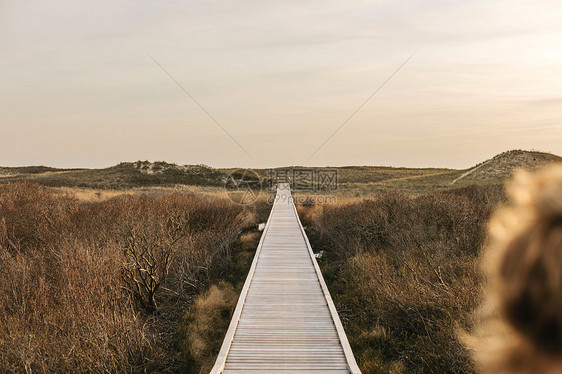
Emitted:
<point x="285" y="320"/>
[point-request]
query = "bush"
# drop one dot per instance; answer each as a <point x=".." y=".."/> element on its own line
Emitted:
<point x="104" y="287"/>
<point x="404" y="275"/>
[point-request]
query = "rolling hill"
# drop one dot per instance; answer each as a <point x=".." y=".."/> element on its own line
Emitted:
<point x="493" y="171"/>
<point x="502" y="166"/>
<point x="355" y="180"/>
<point x="121" y="176"/>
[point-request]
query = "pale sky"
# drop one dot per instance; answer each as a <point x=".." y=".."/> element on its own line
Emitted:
<point x="77" y="88"/>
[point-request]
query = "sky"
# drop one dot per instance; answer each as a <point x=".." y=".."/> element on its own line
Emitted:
<point x="267" y="83"/>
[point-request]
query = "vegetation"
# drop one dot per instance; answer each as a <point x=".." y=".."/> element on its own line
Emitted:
<point x="137" y="267"/>
<point x="122" y="176"/>
<point x="105" y="287"/>
<point x="353" y="181"/>
<point x="208" y="319"/>
<point x="403" y="272"/>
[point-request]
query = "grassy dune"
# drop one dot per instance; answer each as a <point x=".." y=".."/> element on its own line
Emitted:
<point x="352" y="180"/>
<point x="122" y="176"/>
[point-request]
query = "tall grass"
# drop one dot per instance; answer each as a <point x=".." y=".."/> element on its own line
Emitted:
<point x="403" y="272"/>
<point x="72" y="297"/>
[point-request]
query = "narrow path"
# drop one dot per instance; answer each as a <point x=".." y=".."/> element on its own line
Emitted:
<point x="285" y="320"/>
<point x="470" y="171"/>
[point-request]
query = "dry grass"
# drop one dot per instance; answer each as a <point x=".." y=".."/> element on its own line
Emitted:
<point x="67" y="304"/>
<point x="92" y="195"/>
<point x="207" y="321"/>
<point x="248" y="240"/>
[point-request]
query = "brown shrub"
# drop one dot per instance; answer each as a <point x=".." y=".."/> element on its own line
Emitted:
<point x="519" y="327"/>
<point x="405" y="265"/>
<point x="68" y="301"/>
<point x="62" y="310"/>
<point x="31" y="217"/>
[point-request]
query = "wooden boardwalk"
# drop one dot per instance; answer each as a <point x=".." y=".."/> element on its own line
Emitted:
<point x="285" y="320"/>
